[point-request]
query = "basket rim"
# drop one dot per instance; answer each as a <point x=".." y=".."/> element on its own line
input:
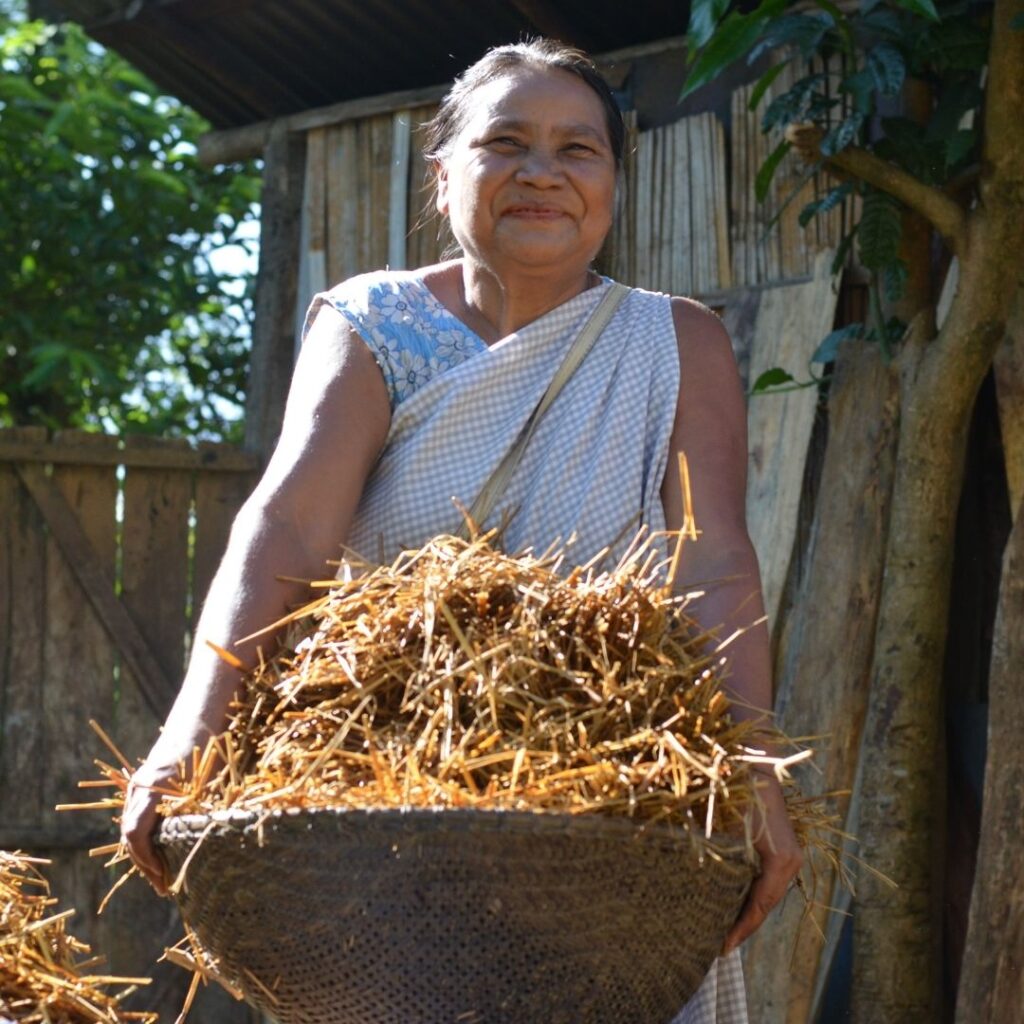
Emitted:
<point x="734" y="849"/>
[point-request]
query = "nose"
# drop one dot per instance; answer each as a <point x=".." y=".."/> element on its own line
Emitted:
<point x="540" y="168"/>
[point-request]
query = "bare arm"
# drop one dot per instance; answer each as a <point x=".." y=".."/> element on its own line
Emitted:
<point x="335" y="423"/>
<point x="711" y="429"/>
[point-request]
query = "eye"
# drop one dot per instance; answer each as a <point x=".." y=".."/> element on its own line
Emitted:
<point x="504" y="140"/>
<point x="580" y="148"/>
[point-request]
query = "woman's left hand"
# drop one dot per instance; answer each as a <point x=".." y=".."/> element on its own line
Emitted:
<point x="781" y="860"/>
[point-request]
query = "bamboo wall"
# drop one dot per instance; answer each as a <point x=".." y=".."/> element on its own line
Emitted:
<point x="688" y="222"/>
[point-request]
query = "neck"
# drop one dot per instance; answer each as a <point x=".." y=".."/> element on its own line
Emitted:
<point x="497" y="306"/>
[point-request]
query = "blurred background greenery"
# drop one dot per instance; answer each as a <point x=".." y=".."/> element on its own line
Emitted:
<point x="126" y="270"/>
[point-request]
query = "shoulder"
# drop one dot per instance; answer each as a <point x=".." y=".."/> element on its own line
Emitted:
<point x="695" y="323"/>
<point x="364" y="291"/>
<point x="703" y="341"/>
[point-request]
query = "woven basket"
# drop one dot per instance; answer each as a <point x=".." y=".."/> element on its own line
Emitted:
<point x="455" y="916"/>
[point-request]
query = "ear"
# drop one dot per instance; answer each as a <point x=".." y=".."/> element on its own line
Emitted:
<point x="441" y="178"/>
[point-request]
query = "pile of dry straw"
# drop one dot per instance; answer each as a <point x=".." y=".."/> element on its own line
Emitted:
<point x="461" y="677"/>
<point x="45" y="972"/>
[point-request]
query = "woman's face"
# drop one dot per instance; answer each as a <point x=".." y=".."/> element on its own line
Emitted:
<point x="530" y="178"/>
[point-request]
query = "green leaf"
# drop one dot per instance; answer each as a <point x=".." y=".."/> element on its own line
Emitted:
<point x="827" y="202"/>
<point x="770" y="379"/>
<point x="162" y="180"/>
<point x="794" y="192"/>
<point x="841" y="23"/>
<point x="767" y="170"/>
<point x="888" y="68"/>
<point x="879" y="230"/>
<point x="861" y="86"/>
<point x="764" y="84"/>
<point x="839" y="136"/>
<point x="828" y="349"/>
<point x="884" y="22"/>
<point x="894" y="279"/>
<point x="704" y="18"/>
<point x="799" y="103"/>
<point x="732" y="40"/>
<point x="925" y="8"/>
<point x="842" y="251"/>
<point x="803" y="31"/>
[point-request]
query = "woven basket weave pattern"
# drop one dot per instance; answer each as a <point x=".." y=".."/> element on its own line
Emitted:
<point x="456" y="917"/>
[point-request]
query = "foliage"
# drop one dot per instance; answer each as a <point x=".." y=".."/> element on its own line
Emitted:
<point x="119" y="313"/>
<point x="881" y="44"/>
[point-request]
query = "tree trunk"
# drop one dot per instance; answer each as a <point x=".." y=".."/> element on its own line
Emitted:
<point x="992" y="982"/>
<point x="897" y="952"/>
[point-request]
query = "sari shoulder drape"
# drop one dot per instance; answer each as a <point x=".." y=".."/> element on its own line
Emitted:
<point x="593" y="470"/>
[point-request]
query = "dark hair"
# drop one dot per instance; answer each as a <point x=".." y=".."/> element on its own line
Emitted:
<point x="453" y="113"/>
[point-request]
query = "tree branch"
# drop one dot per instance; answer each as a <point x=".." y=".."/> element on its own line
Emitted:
<point x="945" y="214"/>
<point x="1004" y="97"/>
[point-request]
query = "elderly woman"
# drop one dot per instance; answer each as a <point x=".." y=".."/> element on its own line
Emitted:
<point x="411" y="388"/>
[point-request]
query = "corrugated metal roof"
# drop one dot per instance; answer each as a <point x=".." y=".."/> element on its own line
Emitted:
<point x="240" y="61"/>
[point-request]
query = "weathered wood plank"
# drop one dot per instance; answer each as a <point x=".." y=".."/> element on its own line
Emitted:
<point x="720" y="210"/>
<point x="22" y="618"/>
<point x="682" y="237"/>
<point x="69" y="834"/>
<point x="273" y="336"/>
<point x="641" y="198"/>
<point x="824" y="661"/>
<point x="313" y="233"/>
<point x="791" y="321"/>
<point x="97" y="582"/>
<point x="666" y="205"/>
<point x="232" y="144"/>
<point x="217" y="501"/>
<point x="796" y="190"/>
<point x="991" y="981"/>
<point x="154" y="584"/>
<point x="36" y="447"/>
<point x="426" y="238"/>
<point x="229" y="145"/>
<point x="78" y="677"/>
<point x="739" y="314"/>
<point x="398" y="198"/>
<point x="154" y="589"/>
<point x="626" y="261"/>
<point x="380" y="137"/>
<point x="343" y="203"/>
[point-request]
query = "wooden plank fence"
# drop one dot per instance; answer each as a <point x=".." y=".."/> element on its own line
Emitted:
<point x="106" y="550"/>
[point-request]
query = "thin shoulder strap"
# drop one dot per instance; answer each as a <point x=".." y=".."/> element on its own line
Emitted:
<point x="484" y="504"/>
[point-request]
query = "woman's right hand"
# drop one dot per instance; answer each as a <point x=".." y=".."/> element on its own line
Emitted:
<point x="138" y="824"/>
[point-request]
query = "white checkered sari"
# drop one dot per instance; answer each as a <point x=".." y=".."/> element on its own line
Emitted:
<point x="591" y="474"/>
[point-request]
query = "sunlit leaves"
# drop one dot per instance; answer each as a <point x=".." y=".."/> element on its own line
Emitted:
<point x="114" y="312"/>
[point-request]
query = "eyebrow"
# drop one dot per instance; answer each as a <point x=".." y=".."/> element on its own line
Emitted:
<point x="575" y="128"/>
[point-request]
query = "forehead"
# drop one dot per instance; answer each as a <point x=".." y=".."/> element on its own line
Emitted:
<point x="541" y="95"/>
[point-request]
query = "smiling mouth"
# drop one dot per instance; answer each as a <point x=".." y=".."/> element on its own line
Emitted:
<point x="535" y="212"/>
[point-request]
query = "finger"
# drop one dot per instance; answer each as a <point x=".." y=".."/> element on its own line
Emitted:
<point x="755" y="910"/>
<point x="153" y="872"/>
<point x="765" y="894"/>
<point x="138" y="824"/>
<point x="144" y="856"/>
<point x="149" y="864"/>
